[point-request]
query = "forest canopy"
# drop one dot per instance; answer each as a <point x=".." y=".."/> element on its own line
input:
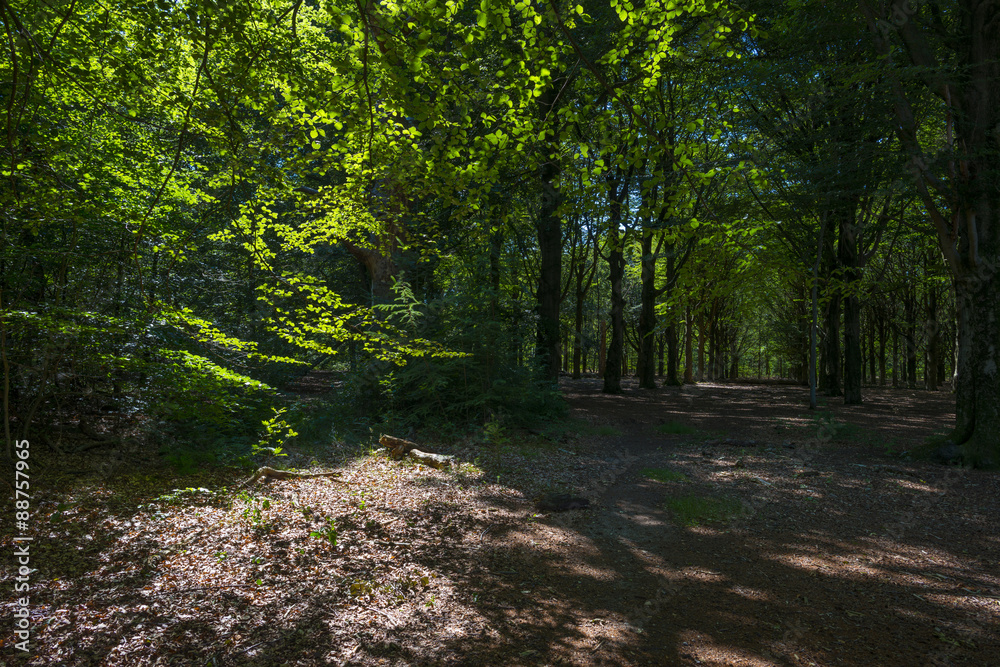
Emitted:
<point x="448" y="204"/>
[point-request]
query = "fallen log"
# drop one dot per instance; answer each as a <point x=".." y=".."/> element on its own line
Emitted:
<point x="399" y="448"/>
<point x="438" y="461"/>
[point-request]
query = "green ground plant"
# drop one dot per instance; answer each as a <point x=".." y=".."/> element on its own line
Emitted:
<point x="675" y="428"/>
<point x="694" y="510"/>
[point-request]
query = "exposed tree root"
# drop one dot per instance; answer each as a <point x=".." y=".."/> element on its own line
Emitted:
<point x="271" y="473"/>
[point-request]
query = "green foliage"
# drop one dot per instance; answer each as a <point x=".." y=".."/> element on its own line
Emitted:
<point x="328" y="533"/>
<point x="186" y="387"/>
<point x="180" y="238"/>
<point x="254" y="508"/>
<point x="186" y="459"/>
<point x="480" y="383"/>
<point x="694" y="510"/>
<point x="276" y="433"/>
<point x="186" y="496"/>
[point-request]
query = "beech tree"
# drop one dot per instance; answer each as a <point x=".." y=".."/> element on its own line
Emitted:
<point x="950" y="50"/>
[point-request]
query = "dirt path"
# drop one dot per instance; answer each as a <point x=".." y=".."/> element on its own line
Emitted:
<point x="839" y="555"/>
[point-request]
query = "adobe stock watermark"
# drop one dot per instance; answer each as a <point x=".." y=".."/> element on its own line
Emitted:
<point x="899" y="15"/>
<point x="22" y="545"/>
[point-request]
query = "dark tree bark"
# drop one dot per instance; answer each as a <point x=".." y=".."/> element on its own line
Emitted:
<point x="584" y="279"/>
<point x="702" y="336"/>
<point x="688" y="348"/>
<point x="881" y="345"/>
<point x="831" y="359"/>
<point x="659" y="354"/>
<point x="968" y="224"/>
<point x="910" y="334"/>
<point x="847" y="255"/>
<point x="895" y="356"/>
<point x="618" y="186"/>
<point x="616" y="347"/>
<point x="872" y="375"/>
<point x="932" y="380"/>
<point x="647" y="313"/>
<point x="671" y="380"/>
<point x="549" y="232"/>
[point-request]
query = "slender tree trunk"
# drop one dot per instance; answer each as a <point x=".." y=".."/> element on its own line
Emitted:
<point x="578" y="327"/>
<point x="847" y="254"/>
<point x="616" y="348"/>
<point x="688" y="348"/>
<point x="659" y="354"/>
<point x="895" y="356"/>
<point x="602" y="352"/>
<point x="673" y="356"/>
<point x="734" y="359"/>
<point x="910" y="335"/>
<point x="933" y="340"/>
<point x="702" y="336"/>
<point x="871" y="346"/>
<point x="647" y="314"/>
<point x="881" y="346"/>
<point x="831" y="349"/>
<point x="616" y="269"/>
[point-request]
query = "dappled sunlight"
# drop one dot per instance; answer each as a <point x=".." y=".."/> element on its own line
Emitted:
<point x="752" y="594"/>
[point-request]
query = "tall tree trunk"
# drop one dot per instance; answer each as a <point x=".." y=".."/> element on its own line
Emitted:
<point x="871" y="346"/>
<point x="616" y="348"/>
<point x="702" y="339"/>
<point x="688" y="348"/>
<point x="734" y="358"/>
<point x="847" y="254"/>
<point x="831" y="362"/>
<point x="713" y="346"/>
<point x="619" y="186"/>
<point x="895" y="356"/>
<point x="602" y="352"/>
<point x="647" y="314"/>
<point x="910" y="335"/>
<point x="672" y="356"/>
<point x="881" y="346"/>
<point x="578" y="327"/>
<point x="933" y="340"/>
<point x="659" y="354"/>
<point x="550" y="246"/>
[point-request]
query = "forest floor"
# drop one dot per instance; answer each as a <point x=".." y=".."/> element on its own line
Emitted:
<point x="728" y="525"/>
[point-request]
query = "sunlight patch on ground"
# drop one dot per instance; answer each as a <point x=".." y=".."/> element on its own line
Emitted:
<point x="810" y="563"/>
<point x="917" y="486"/>
<point x="755" y="594"/>
<point x="704" y="648"/>
<point x="704" y="576"/>
<point x="706" y="531"/>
